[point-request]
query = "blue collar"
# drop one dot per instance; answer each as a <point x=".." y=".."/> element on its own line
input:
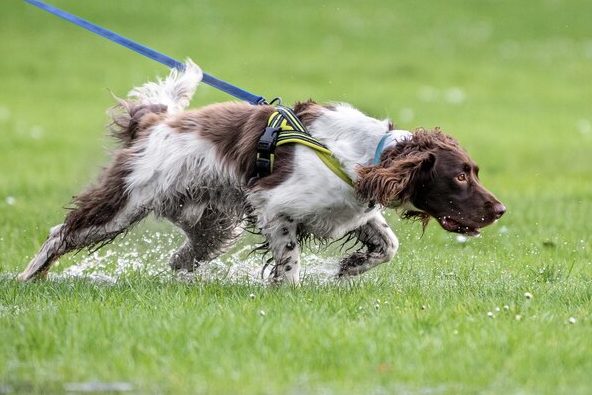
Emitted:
<point x="389" y="139"/>
<point x="380" y="148"/>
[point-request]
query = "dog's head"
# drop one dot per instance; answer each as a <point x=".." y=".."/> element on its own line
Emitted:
<point x="430" y="175"/>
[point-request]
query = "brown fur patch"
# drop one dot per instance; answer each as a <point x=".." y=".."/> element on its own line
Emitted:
<point x="129" y="119"/>
<point x="392" y="180"/>
<point x="235" y="128"/>
<point x="308" y="111"/>
<point x="420" y="216"/>
<point x="282" y="168"/>
<point x="99" y="204"/>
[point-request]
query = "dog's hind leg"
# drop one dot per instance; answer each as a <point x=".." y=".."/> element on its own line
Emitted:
<point x="282" y="240"/>
<point x="210" y="232"/>
<point x="63" y="239"/>
<point x="51" y="250"/>
<point x="380" y="244"/>
<point x="102" y="212"/>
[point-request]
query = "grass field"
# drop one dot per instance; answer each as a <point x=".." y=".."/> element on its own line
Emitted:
<point x="511" y="80"/>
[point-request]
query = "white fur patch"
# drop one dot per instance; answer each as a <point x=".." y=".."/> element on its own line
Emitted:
<point x="169" y="163"/>
<point x="175" y="91"/>
<point x="351" y="135"/>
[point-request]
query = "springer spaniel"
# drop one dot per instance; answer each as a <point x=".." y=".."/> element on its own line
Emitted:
<point x="196" y="169"/>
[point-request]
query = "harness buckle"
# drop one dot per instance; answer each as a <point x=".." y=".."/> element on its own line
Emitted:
<point x="267" y="140"/>
<point x="263" y="167"/>
<point x="265" y="151"/>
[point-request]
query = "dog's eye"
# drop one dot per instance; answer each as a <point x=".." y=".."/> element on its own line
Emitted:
<point x="462" y="177"/>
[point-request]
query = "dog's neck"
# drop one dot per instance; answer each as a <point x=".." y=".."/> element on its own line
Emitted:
<point x="389" y="140"/>
<point x="354" y="137"/>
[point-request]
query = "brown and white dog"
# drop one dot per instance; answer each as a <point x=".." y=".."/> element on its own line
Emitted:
<point x="195" y="168"/>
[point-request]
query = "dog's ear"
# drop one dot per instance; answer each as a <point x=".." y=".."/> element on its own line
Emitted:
<point x="394" y="179"/>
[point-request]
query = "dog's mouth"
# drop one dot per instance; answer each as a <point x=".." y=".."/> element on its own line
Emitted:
<point x="452" y="225"/>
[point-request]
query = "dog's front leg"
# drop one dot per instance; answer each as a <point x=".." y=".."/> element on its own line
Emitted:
<point x="283" y="244"/>
<point x="380" y="245"/>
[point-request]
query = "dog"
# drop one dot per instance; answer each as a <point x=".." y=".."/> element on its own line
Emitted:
<point x="196" y="168"/>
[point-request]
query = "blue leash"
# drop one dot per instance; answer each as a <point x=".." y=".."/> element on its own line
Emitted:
<point x="148" y="52"/>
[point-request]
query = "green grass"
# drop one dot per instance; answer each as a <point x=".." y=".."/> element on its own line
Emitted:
<point x="523" y="70"/>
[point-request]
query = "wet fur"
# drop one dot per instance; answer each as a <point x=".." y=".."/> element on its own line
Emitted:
<point x="196" y="169"/>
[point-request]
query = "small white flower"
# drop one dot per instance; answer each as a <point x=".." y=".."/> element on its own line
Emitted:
<point x="423" y="307"/>
<point x="490" y="314"/>
<point x="572" y="320"/>
<point x="497" y="309"/>
<point x="252" y="296"/>
<point x="10" y="200"/>
<point x="376" y="306"/>
<point x="518" y="317"/>
<point x="506" y="307"/>
<point x="262" y="313"/>
<point x="528" y="295"/>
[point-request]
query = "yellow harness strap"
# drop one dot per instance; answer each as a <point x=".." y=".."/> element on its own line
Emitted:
<point x="293" y="132"/>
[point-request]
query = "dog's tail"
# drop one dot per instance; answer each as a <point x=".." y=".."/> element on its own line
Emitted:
<point x="149" y="102"/>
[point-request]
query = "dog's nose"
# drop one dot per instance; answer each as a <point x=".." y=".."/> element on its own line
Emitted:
<point x="499" y="210"/>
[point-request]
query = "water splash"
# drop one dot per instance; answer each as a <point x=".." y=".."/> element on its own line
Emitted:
<point x="150" y="254"/>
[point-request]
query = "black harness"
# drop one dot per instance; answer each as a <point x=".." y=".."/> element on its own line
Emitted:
<point x="284" y="127"/>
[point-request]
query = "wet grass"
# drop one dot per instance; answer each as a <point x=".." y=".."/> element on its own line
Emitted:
<point x="510" y="80"/>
